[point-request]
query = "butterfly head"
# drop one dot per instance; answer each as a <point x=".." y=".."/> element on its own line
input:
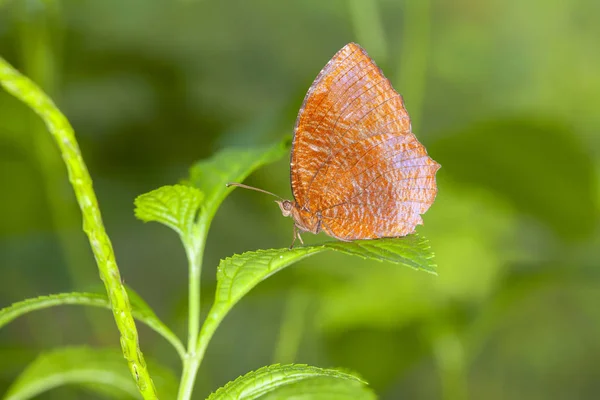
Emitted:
<point x="286" y="207"/>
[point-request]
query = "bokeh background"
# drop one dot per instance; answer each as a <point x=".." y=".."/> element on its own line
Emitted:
<point x="504" y="93"/>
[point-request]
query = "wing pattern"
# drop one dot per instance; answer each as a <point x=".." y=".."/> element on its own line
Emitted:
<point x="355" y="161"/>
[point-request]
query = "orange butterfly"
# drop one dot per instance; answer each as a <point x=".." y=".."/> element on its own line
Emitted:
<point x="357" y="170"/>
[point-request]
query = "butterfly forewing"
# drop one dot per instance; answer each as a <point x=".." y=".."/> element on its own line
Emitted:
<point x="337" y="84"/>
<point x="354" y="160"/>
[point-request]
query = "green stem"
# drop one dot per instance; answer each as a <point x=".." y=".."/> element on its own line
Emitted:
<point x="188" y="378"/>
<point x="194" y="246"/>
<point x="192" y="362"/>
<point x="195" y="269"/>
<point x="62" y="132"/>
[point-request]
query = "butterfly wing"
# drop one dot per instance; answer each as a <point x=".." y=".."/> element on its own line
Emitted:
<point x="354" y="160"/>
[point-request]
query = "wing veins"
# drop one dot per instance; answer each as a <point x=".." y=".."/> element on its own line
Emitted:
<point x="352" y="126"/>
<point x="334" y="126"/>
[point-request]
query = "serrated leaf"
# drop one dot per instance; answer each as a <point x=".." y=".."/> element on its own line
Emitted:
<point x="322" y="388"/>
<point x="237" y="275"/>
<point x="175" y="206"/>
<point x="92" y="368"/>
<point x="141" y="311"/>
<point x="412" y="251"/>
<point x="15" y="310"/>
<point x="266" y="382"/>
<point x="231" y="165"/>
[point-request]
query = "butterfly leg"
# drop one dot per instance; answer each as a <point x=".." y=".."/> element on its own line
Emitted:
<point x="299" y="237"/>
<point x="296" y="235"/>
<point x="319" y="222"/>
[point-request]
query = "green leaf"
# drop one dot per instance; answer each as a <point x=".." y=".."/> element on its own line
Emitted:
<point x="322" y="388"/>
<point x="237" y="275"/>
<point x="15" y="310"/>
<point x="412" y="251"/>
<point x="141" y="311"/>
<point x="284" y="381"/>
<point x="100" y="370"/>
<point x="174" y="206"/>
<point x="231" y="165"/>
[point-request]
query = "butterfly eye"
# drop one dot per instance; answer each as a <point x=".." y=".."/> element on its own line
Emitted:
<point x="287" y="205"/>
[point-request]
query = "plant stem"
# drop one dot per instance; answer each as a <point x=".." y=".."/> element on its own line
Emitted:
<point x="62" y="132"/>
<point x="188" y="378"/>
<point x="191" y="364"/>
<point x="195" y="269"/>
<point x="194" y="245"/>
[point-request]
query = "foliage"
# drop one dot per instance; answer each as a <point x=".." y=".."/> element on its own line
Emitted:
<point x="505" y="97"/>
<point x="98" y="370"/>
<point x="189" y="211"/>
<point x="302" y="381"/>
<point x="63" y="134"/>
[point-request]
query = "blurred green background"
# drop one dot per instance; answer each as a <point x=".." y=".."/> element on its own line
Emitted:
<point x="504" y="94"/>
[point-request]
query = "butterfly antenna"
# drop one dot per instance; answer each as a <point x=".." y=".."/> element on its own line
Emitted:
<point x="252" y="188"/>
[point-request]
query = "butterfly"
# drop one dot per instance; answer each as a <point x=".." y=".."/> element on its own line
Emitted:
<point x="357" y="170"/>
